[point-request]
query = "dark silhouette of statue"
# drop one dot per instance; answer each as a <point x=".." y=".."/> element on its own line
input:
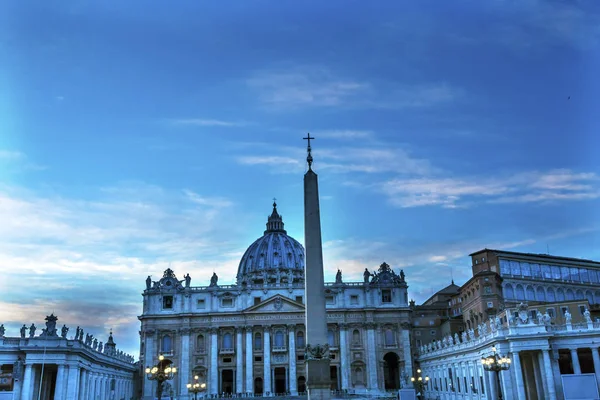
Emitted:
<point x="214" y="279"/>
<point x="338" y="276"/>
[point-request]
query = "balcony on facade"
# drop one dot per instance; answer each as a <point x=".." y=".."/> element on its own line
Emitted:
<point x="227" y="350"/>
<point x="279" y="349"/>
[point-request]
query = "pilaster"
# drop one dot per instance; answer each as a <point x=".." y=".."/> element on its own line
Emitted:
<point x="267" y="361"/>
<point x="27" y="382"/>
<point x="344" y="348"/>
<point x="239" y="362"/>
<point x="372" y="358"/>
<point x="518" y="374"/>
<point x="249" y="361"/>
<point x="59" y="390"/>
<point x="214" y="361"/>
<point x="73" y="382"/>
<point x="293" y="383"/>
<point x="184" y="366"/>
<point x="575" y="361"/>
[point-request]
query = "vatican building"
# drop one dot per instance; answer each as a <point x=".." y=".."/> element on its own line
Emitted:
<point x="249" y="338"/>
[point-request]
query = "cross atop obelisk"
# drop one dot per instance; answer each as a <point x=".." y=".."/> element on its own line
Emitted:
<point x="317" y="348"/>
<point x="309" y="158"/>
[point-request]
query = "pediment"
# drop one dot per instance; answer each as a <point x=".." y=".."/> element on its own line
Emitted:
<point x="276" y="303"/>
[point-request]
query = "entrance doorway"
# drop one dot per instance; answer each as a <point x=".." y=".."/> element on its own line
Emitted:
<point x="227" y="381"/>
<point x="390" y="371"/>
<point x="258" y="386"/>
<point x="333" y="374"/>
<point x="301" y="384"/>
<point x="280" y="381"/>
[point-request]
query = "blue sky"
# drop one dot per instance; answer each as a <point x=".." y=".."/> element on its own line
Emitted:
<point x="134" y="135"/>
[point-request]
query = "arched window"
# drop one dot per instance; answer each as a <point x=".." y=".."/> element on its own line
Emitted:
<point x="529" y="293"/>
<point x="550" y="295"/>
<point x="389" y="337"/>
<point x="166" y="344"/>
<point x="579" y="295"/>
<point x="200" y="343"/>
<point x="540" y="294"/>
<point x="356" y="337"/>
<point x="589" y="296"/>
<point x="300" y="340"/>
<point x="560" y="295"/>
<point x="509" y="291"/>
<point x="227" y="341"/>
<point x="257" y="341"/>
<point x="330" y="338"/>
<point x="279" y="339"/>
<point x="520" y="293"/>
<point x="570" y="295"/>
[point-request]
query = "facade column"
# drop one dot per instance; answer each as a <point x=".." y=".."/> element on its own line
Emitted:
<point x="518" y="371"/>
<point x="596" y="359"/>
<point x="344" y="365"/>
<point x="372" y="352"/>
<point x="73" y="382"/>
<point x="551" y="392"/>
<point x="27" y="381"/>
<point x="102" y="386"/>
<point x="575" y="361"/>
<point x="59" y="391"/>
<point x="267" y="361"/>
<point x="149" y="361"/>
<point x="184" y="366"/>
<point x="239" y="362"/>
<point x="214" y="365"/>
<point x="249" y="361"/>
<point x="292" y="379"/>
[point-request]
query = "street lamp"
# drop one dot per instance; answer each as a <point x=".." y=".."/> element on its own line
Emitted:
<point x="420" y="383"/>
<point x="496" y="363"/>
<point x="196" y="387"/>
<point x="160" y="373"/>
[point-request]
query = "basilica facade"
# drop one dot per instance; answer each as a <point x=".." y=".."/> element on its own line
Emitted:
<point x="249" y="338"/>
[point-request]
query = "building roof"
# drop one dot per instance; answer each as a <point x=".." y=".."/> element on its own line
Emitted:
<point x="537" y="255"/>
<point x="449" y="290"/>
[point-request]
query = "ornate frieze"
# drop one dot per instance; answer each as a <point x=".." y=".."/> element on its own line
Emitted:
<point x="317" y="352"/>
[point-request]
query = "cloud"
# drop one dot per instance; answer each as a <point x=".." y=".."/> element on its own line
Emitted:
<point x="340" y="159"/>
<point x="345" y="134"/>
<point x="208" y="122"/>
<point x="539" y="187"/>
<point x="86" y="260"/>
<point x="18" y="161"/>
<point x="8" y="155"/>
<point x="319" y="87"/>
<point x="304" y="87"/>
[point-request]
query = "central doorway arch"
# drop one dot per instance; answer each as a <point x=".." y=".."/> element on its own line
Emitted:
<point x="391" y="371"/>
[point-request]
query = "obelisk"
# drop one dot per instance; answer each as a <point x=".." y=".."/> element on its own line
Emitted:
<point x="317" y="349"/>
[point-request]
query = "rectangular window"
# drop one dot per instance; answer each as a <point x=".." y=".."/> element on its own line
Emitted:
<point x="329" y="300"/>
<point x="418" y="343"/>
<point x="481" y="385"/>
<point x="490" y="304"/>
<point x="227" y="302"/>
<point x="487" y="290"/>
<point x="581" y="309"/>
<point x="167" y="302"/>
<point x="227" y="359"/>
<point x="201" y="304"/>
<point x="257" y="358"/>
<point x="300" y="357"/>
<point x="256" y="301"/>
<point x="299" y="299"/>
<point x="550" y="312"/>
<point x="354" y="299"/>
<point x="564" y="310"/>
<point x="386" y="296"/>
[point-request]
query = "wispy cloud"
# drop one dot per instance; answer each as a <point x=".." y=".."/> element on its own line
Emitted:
<point x="208" y="122"/>
<point x="319" y="87"/>
<point x="345" y="134"/>
<point x="9" y="155"/>
<point x="540" y="187"/>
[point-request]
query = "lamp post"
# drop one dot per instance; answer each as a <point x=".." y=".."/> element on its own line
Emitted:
<point x="496" y="363"/>
<point x="420" y="383"/>
<point x="196" y="387"/>
<point x="160" y="373"/>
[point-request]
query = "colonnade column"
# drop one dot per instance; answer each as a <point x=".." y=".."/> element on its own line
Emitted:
<point x="596" y="359"/>
<point x="575" y="361"/>
<point x="267" y="361"/>
<point x="214" y="365"/>
<point x="27" y="381"/>
<point x="59" y="391"/>
<point x="239" y="361"/>
<point x="372" y="352"/>
<point x="184" y="366"/>
<point x="344" y="365"/>
<point x="293" y="386"/>
<point x="249" y="361"/>
<point x="73" y="382"/>
<point x="84" y="386"/>
<point x="551" y="394"/>
<point x="518" y="371"/>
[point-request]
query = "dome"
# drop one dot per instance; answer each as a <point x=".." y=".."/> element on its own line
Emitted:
<point x="273" y="258"/>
